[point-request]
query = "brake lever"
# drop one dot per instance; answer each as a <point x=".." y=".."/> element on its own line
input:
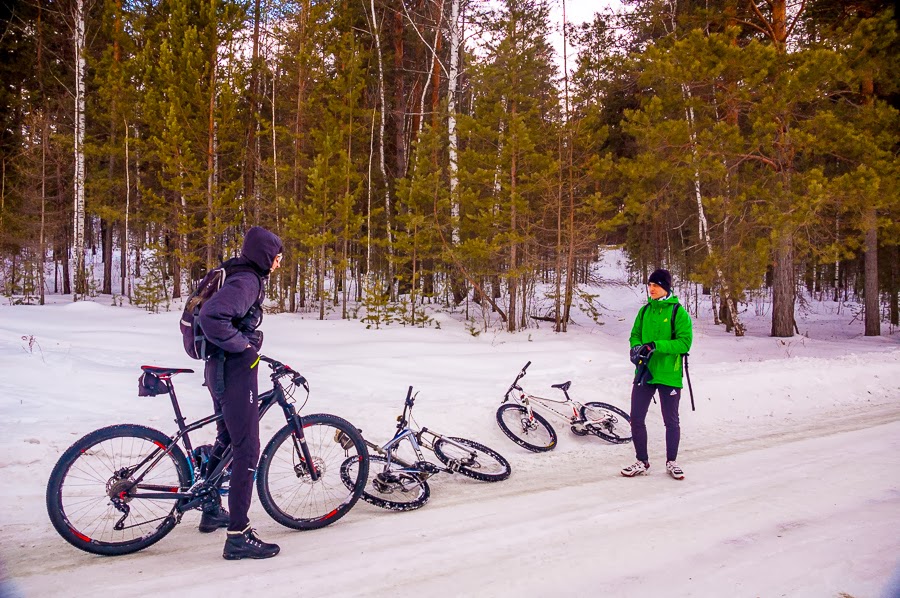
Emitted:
<point x="299" y="380"/>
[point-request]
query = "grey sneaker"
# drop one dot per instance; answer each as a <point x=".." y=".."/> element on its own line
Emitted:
<point x="639" y="468"/>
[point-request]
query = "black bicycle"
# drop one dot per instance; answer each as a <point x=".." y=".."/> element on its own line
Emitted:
<point x="122" y="488"/>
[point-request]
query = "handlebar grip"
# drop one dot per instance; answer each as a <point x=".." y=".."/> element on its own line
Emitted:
<point x="526" y="366"/>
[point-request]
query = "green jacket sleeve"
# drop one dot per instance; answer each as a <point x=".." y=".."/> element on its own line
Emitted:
<point x="635" y="338"/>
<point x="684" y="335"/>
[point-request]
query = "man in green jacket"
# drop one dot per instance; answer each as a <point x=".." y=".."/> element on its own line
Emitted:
<point x="662" y="333"/>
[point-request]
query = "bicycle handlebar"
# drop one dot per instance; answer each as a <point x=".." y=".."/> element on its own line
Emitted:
<point x="282" y="369"/>
<point x="515" y="384"/>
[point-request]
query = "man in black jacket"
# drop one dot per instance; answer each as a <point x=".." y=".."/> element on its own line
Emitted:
<point x="229" y="320"/>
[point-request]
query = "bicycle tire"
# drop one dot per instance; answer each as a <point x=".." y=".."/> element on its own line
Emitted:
<point x="83" y="481"/>
<point x="286" y="490"/>
<point x="457" y="460"/>
<point x="537" y="436"/>
<point x="616" y="429"/>
<point x="403" y="482"/>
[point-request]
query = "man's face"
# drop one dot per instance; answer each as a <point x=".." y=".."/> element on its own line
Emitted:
<point x="276" y="263"/>
<point x="656" y="291"/>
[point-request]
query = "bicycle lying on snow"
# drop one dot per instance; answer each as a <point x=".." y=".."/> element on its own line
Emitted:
<point x="122" y="488"/>
<point x="530" y="430"/>
<point x="400" y="485"/>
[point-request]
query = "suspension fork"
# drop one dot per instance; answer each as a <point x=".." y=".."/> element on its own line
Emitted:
<point x="299" y="438"/>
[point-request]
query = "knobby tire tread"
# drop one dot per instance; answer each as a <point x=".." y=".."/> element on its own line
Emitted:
<point x="70" y="456"/>
<point x="475" y="474"/>
<point x="535" y="448"/>
<point x="377" y="463"/>
<point x="355" y="486"/>
<point x="602" y="434"/>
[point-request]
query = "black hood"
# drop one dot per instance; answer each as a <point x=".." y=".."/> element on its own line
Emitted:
<point x="260" y="248"/>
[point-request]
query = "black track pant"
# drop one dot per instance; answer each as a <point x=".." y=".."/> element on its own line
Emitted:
<point x="240" y="428"/>
<point x="641" y="395"/>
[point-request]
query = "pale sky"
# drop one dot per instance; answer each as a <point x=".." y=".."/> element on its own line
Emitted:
<point x="577" y="11"/>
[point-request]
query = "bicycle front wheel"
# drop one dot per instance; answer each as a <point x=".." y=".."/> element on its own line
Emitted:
<point x="389" y="487"/>
<point x="535" y="433"/>
<point x="93" y="501"/>
<point x="286" y="489"/>
<point x="472" y="459"/>
<point x="607" y="421"/>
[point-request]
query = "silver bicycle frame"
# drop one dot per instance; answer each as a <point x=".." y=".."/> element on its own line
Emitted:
<point x="525" y="400"/>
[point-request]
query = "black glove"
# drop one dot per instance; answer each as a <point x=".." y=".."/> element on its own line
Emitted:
<point x="641" y="353"/>
<point x="634" y="354"/>
<point x="256" y="339"/>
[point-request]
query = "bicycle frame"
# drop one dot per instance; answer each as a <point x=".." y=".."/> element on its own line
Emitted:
<point x="266" y="401"/>
<point x="417" y="439"/>
<point x="525" y="400"/>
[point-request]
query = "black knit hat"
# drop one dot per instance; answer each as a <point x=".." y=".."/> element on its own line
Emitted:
<point x="662" y="278"/>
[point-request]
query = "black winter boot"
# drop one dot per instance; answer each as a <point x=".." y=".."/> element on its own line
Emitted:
<point x="246" y="545"/>
<point x="210" y="522"/>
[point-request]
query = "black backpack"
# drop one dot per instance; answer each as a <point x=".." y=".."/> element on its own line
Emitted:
<point x="195" y="344"/>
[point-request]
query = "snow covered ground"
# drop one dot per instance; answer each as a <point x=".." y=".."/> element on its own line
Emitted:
<point x="792" y="472"/>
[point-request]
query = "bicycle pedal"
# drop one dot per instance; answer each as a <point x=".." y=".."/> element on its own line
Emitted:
<point x="427" y="467"/>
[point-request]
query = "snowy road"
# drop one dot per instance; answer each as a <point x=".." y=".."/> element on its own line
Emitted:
<point x="742" y="520"/>
<point x="792" y="488"/>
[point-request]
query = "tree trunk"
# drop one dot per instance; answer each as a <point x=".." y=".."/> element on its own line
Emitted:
<point x="126" y="290"/>
<point x="512" y="276"/>
<point x="106" y="241"/>
<point x="893" y="287"/>
<point x="570" y="254"/>
<point x="211" y="164"/>
<point x="79" y="221"/>
<point x="250" y="164"/>
<point x="458" y="285"/>
<point x="783" y="286"/>
<point x="870" y="226"/>
<point x="42" y="250"/>
<point x="872" y="303"/>
<point x="400" y="99"/>
<point x="387" y="191"/>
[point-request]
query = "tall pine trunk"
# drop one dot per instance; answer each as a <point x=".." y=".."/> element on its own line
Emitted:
<point x="211" y="165"/>
<point x="512" y="276"/>
<point x="79" y="221"/>
<point x="870" y="226"/>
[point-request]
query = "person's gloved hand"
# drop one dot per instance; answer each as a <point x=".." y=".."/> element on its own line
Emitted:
<point x="256" y="339"/>
<point x="642" y="352"/>
<point x="635" y="354"/>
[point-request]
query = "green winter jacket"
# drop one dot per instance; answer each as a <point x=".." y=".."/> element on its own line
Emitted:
<point x="655" y="326"/>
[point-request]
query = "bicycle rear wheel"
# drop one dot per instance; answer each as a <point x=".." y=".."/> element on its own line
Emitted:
<point x="391" y="487"/>
<point x="535" y="434"/>
<point x="97" y="473"/>
<point x="287" y="491"/>
<point x="472" y="459"/>
<point x="612" y="424"/>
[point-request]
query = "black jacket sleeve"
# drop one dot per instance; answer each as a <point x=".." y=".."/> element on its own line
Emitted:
<point x="231" y="302"/>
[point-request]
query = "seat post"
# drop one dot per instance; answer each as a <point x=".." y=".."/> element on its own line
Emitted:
<point x="179" y="418"/>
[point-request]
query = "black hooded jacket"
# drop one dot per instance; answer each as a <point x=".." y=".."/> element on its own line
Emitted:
<point x="242" y="290"/>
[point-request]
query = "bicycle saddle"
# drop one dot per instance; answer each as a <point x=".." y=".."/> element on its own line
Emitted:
<point x="563" y="387"/>
<point x="158" y="371"/>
